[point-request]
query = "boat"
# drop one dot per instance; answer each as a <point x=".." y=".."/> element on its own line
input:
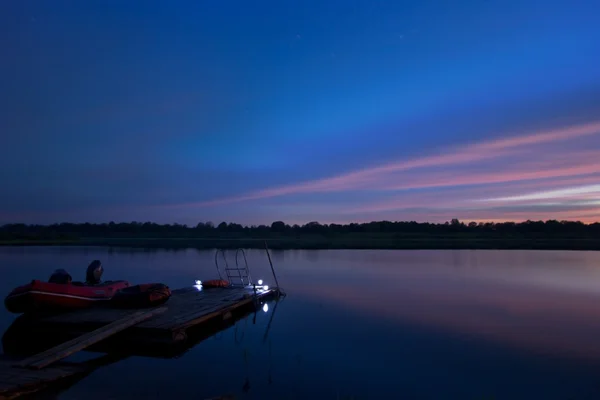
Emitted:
<point x="141" y="296"/>
<point x="49" y="296"/>
<point x="61" y="293"/>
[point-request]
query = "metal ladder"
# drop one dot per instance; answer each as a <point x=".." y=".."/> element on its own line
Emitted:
<point x="238" y="276"/>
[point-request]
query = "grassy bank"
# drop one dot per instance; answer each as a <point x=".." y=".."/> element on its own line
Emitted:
<point x="282" y="243"/>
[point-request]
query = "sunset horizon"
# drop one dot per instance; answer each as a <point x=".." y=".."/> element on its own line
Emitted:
<point x="332" y="117"/>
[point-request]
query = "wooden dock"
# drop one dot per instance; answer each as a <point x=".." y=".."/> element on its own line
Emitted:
<point x="190" y="315"/>
<point x="36" y="344"/>
<point x="189" y="312"/>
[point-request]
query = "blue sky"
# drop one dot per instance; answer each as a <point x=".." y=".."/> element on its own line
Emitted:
<point x="187" y="111"/>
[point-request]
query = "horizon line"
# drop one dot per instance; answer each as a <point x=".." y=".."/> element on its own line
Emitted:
<point x="479" y="221"/>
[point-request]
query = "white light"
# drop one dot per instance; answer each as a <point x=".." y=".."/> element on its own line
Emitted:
<point x="198" y="287"/>
<point x="260" y="281"/>
<point x="198" y="282"/>
<point x="265" y="287"/>
<point x="266" y="307"/>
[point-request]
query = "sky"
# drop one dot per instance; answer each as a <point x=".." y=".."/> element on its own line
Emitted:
<point x="329" y="111"/>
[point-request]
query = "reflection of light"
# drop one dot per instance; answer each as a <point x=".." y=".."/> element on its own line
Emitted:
<point x="266" y="307"/>
<point x="260" y="281"/>
<point x="198" y="287"/>
<point x="265" y="287"/>
<point x="198" y="282"/>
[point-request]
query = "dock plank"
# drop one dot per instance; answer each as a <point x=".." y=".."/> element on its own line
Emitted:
<point x="220" y="301"/>
<point x="200" y="318"/>
<point x="195" y="313"/>
<point x="14" y="380"/>
<point x="54" y="354"/>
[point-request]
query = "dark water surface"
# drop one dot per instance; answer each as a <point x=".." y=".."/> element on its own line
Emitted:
<point x="368" y="324"/>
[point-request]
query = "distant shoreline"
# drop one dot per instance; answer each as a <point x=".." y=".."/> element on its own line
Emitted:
<point x="376" y="235"/>
<point x="406" y="243"/>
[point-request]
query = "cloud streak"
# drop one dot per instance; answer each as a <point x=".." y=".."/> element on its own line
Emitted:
<point x="569" y="193"/>
<point x="379" y="178"/>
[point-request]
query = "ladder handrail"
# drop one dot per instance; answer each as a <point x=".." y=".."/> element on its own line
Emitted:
<point x="222" y="251"/>
<point x="242" y="269"/>
<point x="243" y="272"/>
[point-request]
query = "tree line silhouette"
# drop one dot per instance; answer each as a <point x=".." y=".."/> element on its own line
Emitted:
<point x="453" y="228"/>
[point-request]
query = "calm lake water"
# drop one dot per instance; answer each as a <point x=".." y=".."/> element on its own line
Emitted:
<point x="368" y="324"/>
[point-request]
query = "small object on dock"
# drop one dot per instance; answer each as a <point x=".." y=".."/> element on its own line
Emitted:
<point x="141" y="296"/>
<point x="215" y="283"/>
<point x="66" y="349"/>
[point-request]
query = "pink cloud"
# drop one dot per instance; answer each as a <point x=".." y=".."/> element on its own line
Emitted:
<point x="542" y="137"/>
<point x="494" y="149"/>
<point x="555" y="171"/>
<point x="462" y="198"/>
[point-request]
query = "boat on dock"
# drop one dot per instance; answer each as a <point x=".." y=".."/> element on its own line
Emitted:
<point x="61" y="294"/>
<point x="47" y="296"/>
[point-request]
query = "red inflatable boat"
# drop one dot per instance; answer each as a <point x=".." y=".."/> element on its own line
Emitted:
<point x="39" y="295"/>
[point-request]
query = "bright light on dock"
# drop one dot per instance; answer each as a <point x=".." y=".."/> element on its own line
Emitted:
<point x="266" y="307"/>
<point x="260" y="281"/>
<point x="198" y="287"/>
<point x="198" y="282"/>
<point x="265" y="287"/>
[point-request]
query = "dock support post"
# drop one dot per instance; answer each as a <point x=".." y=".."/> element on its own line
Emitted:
<point x="271" y="263"/>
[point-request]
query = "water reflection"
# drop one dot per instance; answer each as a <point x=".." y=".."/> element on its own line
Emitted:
<point x="550" y="309"/>
<point x="369" y="324"/>
<point x="53" y="392"/>
<point x="540" y="321"/>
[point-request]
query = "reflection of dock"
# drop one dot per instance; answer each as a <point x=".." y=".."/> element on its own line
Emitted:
<point x="15" y="382"/>
<point x="18" y="381"/>
<point x="190" y="316"/>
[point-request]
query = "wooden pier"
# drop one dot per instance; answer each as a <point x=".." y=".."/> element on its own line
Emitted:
<point x="189" y="312"/>
<point x="190" y="315"/>
<point x="35" y="345"/>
